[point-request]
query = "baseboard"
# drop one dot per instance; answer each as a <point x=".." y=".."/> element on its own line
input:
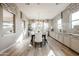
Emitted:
<point x="65" y="45"/>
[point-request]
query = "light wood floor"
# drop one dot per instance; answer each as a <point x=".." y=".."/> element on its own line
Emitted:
<point x="23" y="48"/>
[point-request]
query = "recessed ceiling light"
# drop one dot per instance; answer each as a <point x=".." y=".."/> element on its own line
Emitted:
<point x="57" y="3"/>
<point x="38" y="3"/>
<point x="27" y="3"/>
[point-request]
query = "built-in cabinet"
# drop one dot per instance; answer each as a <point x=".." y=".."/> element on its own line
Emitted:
<point x="60" y="37"/>
<point x="56" y="36"/>
<point x="75" y="43"/>
<point x="67" y="40"/>
<point x="70" y="40"/>
<point x="52" y="34"/>
<point x="66" y="26"/>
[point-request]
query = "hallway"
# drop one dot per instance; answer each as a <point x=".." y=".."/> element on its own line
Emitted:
<point x="52" y="48"/>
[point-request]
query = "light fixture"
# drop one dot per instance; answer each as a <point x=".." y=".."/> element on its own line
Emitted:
<point x="38" y="3"/>
<point x="57" y="3"/>
<point x="27" y="3"/>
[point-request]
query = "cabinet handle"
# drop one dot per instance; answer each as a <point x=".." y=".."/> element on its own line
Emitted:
<point x="75" y="36"/>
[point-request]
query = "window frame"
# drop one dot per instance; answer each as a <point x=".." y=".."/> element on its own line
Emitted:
<point x="59" y="25"/>
<point x="74" y="20"/>
<point x="13" y="22"/>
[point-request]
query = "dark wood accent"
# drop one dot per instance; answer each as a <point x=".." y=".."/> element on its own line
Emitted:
<point x="14" y="27"/>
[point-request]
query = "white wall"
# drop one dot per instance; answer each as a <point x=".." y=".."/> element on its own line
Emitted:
<point x="8" y="40"/>
<point x="67" y="35"/>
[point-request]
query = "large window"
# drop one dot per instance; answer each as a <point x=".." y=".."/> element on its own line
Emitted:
<point x="75" y="20"/>
<point x="8" y="22"/>
<point x="59" y="24"/>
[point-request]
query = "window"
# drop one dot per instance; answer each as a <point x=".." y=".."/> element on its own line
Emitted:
<point x="59" y="24"/>
<point x="45" y="26"/>
<point x="39" y="25"/>
<point x="8" y="22"/>
<point x="75" y="19"/>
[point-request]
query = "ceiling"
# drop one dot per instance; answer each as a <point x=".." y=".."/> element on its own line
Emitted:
<point x="41" y="10"/>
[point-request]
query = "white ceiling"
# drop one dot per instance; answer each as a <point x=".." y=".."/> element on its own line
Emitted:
<point x="42" y="10"/>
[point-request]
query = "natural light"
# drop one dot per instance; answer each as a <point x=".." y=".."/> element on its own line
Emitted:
<point x="51" y="53"/>
<point x="39" y="26"/>
<point x="75" y="16"/>
<point x="59" y="24"/>
<point x="75" y="19"/>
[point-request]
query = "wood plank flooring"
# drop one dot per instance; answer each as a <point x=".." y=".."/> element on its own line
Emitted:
<point x="52" y="48"/>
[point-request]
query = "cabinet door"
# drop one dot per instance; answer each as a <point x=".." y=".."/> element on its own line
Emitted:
<point x="75" y="43"/>
<point x="56" y="36"/>
<point x="60" y="37"/>
<point x="52" y="34"/>
<point x="67" y="40"/>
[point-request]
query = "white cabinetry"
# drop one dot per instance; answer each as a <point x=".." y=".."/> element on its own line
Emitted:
<point x="75" y="43"/>
<point x="60" y="37"/>
<point x="67" y="40"/>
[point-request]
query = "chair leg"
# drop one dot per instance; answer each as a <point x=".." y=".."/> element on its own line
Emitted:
<point x="41" y="44"/>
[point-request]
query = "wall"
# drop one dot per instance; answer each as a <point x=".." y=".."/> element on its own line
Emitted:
<point x="1" y="17"/>
<point x="8" y="40"/>
<point x="66" y="36"/>
<point x="54" y="26"/>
